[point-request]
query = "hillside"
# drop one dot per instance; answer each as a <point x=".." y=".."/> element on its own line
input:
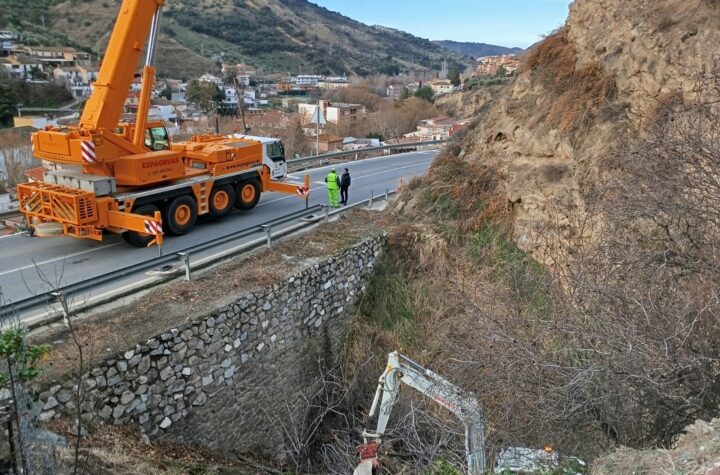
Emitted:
<point x="279" y="35"/>
<point x="477" y="50"/>
<point x="561" y="258"/>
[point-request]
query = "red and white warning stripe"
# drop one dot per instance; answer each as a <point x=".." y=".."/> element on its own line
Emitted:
<point x="88" y="151"/>
<point x="233" y="156"/>
<point x="153" y="227"/>
<point x="303" y="191"/>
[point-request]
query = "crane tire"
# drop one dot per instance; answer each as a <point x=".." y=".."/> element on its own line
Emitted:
<point x="222" y="200"/>
<point x="248" y="194"/>
<point x="180" y="215"/>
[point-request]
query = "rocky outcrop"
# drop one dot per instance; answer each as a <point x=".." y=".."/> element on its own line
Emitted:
<point x="583" y="92"/>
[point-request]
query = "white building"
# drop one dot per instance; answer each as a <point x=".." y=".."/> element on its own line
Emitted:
<point x="7" y="42"/>
<point x="334" y="112"/>
<point x="339" y="82"/>
<point x="243" y="80"/>
<point x="211" y="79"/>
<point x="231" y="96"/>
<point x="20" y="67"/>
<point x="307" y="80"/>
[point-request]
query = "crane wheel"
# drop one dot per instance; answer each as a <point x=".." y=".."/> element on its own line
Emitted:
<point x="248" y="194"/>
<point x="180" y="215"/>
<point x="135" y="238"/>
<point x="222" y="199"/>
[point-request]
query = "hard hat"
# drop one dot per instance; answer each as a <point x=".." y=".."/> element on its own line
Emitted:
<point x="332" y="169"/>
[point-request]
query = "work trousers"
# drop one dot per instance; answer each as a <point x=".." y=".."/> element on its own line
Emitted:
<point x="334" y="197"/>
<point x="343" y="194"/>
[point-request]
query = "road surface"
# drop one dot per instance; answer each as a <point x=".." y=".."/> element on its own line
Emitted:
<point x="66" y="260"/>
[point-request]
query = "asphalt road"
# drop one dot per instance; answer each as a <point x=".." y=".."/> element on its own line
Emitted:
<point x="64" y="260"/>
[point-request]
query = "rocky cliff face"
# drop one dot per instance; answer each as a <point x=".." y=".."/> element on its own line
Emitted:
<point x="581" y="93"/>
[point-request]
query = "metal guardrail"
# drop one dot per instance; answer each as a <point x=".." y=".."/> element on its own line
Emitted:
<point x="299" y="161"/>
<point x="10" y="214"/>
<point x="79" y="287"/>
<point x="265" y="232"/>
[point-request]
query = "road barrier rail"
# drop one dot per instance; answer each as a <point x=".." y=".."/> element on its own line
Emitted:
<point x="174" y="264"/>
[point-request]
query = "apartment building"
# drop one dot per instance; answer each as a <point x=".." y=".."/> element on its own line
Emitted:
<point x="334" y="112"/>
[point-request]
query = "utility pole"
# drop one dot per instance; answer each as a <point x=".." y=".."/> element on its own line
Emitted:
<point x="317" y="134"/>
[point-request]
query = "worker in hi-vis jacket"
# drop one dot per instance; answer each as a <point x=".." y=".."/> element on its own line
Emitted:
<point x="333" y="187"/>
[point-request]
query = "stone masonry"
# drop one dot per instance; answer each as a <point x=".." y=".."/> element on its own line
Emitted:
<point x="225" y="380"/>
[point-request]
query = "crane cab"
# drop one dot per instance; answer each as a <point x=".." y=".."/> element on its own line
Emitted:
<point x="273" y="154"/>
<point x="156" y="134"/>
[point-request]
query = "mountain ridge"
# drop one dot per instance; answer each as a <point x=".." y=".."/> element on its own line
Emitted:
<point x="277" y="35"/>
<point x="476" y="50"/>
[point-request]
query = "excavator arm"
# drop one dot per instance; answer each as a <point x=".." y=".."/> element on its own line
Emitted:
<point x="403" y="370"/>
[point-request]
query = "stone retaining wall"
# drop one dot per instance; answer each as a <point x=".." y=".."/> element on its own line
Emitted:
<point x="224" y="381"/>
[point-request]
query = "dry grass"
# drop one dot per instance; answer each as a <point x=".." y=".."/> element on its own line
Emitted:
<point x="590" y="88"/>
<point x="554" y="58"/>
<point x="576" y="93"/>
<point x="118" y="450"/>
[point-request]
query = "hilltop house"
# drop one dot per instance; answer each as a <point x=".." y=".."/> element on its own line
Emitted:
<point x="20" y="67"/>
<point x="334" y="112"/>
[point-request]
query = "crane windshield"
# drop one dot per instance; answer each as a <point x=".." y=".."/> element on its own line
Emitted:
<point x="156" y="138"/>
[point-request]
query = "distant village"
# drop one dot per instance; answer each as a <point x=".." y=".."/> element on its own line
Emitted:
<point x="267" y="103"/>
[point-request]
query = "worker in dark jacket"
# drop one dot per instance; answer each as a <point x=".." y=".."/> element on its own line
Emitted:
<point x="344" y="185"/>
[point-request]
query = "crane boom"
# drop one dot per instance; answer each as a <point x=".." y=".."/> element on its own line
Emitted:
<point x="401" y="369"/>
<point x="128" y="177"/>
<point x="105" y="105"/>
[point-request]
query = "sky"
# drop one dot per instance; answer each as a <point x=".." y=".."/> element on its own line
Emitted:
<point x="501" y="22"/>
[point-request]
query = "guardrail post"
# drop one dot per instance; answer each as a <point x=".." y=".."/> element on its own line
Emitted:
<point x="60" y="298"/>
<point x="268" y="234"/>
<point x="371" y="199"/>
<point x="326" y="210"/>
<point x="185" y="256"/>
<point x="356" y="156"/>
<point x="387" y="195"/>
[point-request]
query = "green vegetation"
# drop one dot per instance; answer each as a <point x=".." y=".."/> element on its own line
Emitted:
<point x="474" y="83"/>
<point x="425" y="93"/>
<point x="8" y="103"/>
<point x="388" y="303"/>
<point x="206" y="95"/>
<point x="454" y="75"/>
<point x="443" y="467"/>
<point x="493" y="247"/>
<point x="14" y="92"/>
<point x="22" y="359"/>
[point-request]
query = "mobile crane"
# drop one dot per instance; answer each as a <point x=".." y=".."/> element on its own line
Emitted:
<point x="104" y="175"/>
<point x="401" y="369"/>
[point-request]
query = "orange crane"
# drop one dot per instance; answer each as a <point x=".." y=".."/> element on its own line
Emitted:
<point x="129" y="178"/>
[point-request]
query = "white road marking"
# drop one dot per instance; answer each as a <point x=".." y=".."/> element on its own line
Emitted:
<point x="10" y="235"/>
<point x="50" y="261"/>
<point x="366" y="160"/>
<point x="322" y="184"/>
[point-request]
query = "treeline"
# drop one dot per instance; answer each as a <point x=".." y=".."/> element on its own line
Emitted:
<point x="15" y="93"/>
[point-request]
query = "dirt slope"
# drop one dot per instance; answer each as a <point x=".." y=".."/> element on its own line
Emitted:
<point x="582" y="92"/>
